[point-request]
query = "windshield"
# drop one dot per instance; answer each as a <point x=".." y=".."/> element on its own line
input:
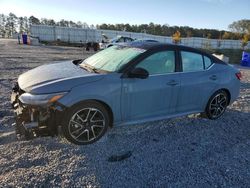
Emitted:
<point x="112" y="58"/>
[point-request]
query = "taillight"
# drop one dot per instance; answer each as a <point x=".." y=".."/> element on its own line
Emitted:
<point x="238" y="75"/>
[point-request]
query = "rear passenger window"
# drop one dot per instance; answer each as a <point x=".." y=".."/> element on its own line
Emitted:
<point x="207" y="62"/>
<point x="191" y="61"/>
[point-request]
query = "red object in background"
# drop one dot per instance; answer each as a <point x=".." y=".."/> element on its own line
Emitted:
<point x="238" y="75"/>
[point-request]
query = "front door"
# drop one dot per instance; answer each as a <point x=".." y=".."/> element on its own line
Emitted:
<point x="154" y="96"/>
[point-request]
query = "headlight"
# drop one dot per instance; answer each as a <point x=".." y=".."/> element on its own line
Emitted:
<point x="44" y="99"/>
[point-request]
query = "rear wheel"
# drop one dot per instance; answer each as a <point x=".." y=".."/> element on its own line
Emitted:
<point x="86" y="123"/>
<point x="217" y="104"/>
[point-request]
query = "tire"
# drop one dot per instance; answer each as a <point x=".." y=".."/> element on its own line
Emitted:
<point x="85" y="122"/>
<point x="216" y="105"/>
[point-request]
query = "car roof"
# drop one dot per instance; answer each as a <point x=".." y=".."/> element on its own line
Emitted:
<point x="147" y="45"/>
<point x="144" y="45"/>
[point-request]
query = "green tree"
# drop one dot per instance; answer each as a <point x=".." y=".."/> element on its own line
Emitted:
<point x="72" y="24"/>
<point x="11" y="24"/>
<point x="21" y="24"/>
<point x="63" y="23"/>
<point x="2" y="25"/>
<point x="26" y="24"/>
<point x="46" y="21"/>
<point x="241" y="26"/>
<point x="33" y="20"/>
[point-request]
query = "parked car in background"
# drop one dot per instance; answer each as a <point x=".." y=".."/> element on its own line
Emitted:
<point x="121" y="85"/>
<point x="114" y="41"/>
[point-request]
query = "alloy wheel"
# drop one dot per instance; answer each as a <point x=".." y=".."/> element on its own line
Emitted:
<point x="218" y="105"/>
<point x="86" y="125"/>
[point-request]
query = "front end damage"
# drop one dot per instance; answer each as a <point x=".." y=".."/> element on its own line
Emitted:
<point x="34" y="120"/>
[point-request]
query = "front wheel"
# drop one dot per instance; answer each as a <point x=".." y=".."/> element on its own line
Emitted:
<point x="217" y="104"/>
<point x="85" y="123"/>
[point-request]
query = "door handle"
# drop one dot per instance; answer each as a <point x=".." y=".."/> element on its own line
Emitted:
<point x="213" y="77"/>
<point x="172" y="83"/>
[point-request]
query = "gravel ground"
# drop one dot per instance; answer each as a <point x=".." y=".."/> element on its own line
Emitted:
<point x="181" y="152"/>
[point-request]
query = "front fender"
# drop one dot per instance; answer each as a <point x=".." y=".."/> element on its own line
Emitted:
<point x="108" y="92"/>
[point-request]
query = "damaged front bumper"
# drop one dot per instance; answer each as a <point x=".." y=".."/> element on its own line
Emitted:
<point x="34" y="120"/>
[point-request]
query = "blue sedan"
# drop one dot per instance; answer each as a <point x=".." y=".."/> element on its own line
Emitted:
<point x="121" y="85"/>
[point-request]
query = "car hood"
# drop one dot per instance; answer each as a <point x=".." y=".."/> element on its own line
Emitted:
<point x="56" y="77"/>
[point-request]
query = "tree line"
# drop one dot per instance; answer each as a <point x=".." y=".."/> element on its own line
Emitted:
<point x="10" y="24"/>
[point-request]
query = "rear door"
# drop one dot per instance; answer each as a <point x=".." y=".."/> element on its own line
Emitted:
<point x="197" y="81"/>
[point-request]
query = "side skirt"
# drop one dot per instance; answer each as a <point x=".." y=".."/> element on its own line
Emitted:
<point x="154" y="118"/>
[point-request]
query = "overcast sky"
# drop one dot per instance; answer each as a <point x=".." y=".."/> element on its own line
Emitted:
<point x="212" y="14"/>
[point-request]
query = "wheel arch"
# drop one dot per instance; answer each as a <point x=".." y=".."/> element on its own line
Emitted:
<point x="89" y="103"/>
<point x="206" y="112"/>
<point x="221" y="89"/>
<point x="106" y="106"/>
<point x="228" y="94"/>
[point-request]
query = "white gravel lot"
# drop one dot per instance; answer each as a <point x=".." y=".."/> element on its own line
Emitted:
<point x="181" y="152"/>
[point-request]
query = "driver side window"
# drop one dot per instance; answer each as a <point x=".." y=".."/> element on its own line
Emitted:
<point x="159" y="63"/>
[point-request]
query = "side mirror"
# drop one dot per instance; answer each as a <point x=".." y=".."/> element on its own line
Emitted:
<point x="77" y="61"/>
<point x="138" y="73"/>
